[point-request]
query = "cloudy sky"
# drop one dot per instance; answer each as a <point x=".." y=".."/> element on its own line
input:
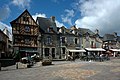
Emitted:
<point x="103" y="15"/>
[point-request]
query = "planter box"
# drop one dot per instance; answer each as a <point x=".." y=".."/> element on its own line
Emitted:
<point x="46" y="62"/>
<point x="20" y="65"/>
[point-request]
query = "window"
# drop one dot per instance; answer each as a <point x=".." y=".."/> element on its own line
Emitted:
<point x="46" y="51"/>
<point x="15" y="40"/>
<point x="62" y="39"/>
<point x="71" y="31"/>
<point x="76" y="33"/>
<point x="63" y="50"/>
<point x="92" y="44"/>
<point x="27" y="41"/>
<point x="75" y="40"/>
<point x="27" y="28"/>
<point x="26" y="19"/>
<point x="63" y="31"/>
<point x="48" y="29"/>
<point x="87" y="38"/>
<point x="53" y="52"/>
<point x="48" y="39"/>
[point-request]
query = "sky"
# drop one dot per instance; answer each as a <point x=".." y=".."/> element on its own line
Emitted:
<point x="103" y="15"/>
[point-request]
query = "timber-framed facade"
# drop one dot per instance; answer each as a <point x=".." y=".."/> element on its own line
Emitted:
<point x="25" y="33"/>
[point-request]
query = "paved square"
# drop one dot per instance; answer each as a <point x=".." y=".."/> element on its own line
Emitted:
<point x="66" y="70"/>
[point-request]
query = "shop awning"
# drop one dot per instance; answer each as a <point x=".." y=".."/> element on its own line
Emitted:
<point x="82" y="50"/>
<point x="95" y="49"/>
<point x="115" y="50"/>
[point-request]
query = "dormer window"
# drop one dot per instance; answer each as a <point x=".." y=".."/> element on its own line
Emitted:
<point x="87" y="38"/>
<point x="63" y="31"/>
<point x="71" y="31"/>
<point x="48" y="29"/>
<point x="27" y="29"/>
<point x="63" y="39"/>
<point x="76" y="33"/>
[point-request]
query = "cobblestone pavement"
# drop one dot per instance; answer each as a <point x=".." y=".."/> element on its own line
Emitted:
<point x="65" y="70"/>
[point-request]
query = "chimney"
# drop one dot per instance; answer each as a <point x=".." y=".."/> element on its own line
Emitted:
<point x="96" y="31"/>
<point x="115" y="34"/>
<point x="53" y="18"/>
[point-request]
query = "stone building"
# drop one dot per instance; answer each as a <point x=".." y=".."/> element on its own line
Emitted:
<point x="49" y="39"/>
<point x="109" y="41"/>
<point x="10" y="44"/>
<point x="3" y="45"/>
<point x="68" y="40"/>
<point x="88" y="39"/>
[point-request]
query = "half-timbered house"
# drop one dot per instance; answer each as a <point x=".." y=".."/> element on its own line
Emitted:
<point x="25" y="33"/>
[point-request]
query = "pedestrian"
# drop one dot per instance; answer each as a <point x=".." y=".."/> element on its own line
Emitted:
<point x="101" y="57"/>
<point x="73" y="58"/>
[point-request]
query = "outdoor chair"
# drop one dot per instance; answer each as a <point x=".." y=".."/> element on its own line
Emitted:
<point x="97" y="58"/>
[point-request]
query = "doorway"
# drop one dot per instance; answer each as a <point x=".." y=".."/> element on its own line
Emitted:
<point x="47" y="51"/>
<point x="63" y="50"/>
<point x="53" y="52"/>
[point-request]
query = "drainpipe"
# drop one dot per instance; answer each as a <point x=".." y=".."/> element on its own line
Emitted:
<point x="0" y="62"/>
<point x="42" y="46"/>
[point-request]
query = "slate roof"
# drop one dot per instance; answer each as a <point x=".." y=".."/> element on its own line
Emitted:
<point x="1" y="32"/>
<point x="44" y="23"/>
<point x="118" y="38"/>
<point x="84" y="31"/>
<point x="109" y="37"/>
